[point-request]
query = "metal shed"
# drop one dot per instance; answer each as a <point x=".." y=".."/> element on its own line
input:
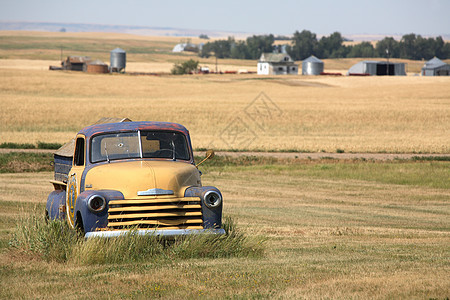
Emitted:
<point x="312" y="66"/>
<point x="377" y="68"/>
<point x="436" y="67"/>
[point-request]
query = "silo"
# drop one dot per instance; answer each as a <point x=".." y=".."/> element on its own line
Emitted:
<point x="118" y="60"/>
<point x="312" y="66"/>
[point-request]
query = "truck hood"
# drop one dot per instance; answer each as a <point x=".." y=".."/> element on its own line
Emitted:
<point x="143" y="177"/>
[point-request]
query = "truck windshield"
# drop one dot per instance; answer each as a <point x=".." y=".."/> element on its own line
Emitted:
<point x="143" y="144"/>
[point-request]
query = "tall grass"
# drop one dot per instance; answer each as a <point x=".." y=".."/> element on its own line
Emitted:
<point x="55" y="241"/>
<point x="51" y="241"/>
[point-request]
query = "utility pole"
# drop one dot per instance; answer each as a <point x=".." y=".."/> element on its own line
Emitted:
<point x="387" y="53"/>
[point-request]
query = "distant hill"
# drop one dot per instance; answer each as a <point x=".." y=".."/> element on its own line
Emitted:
<point x="139" y="30"/>
<point x="167" y="31"/>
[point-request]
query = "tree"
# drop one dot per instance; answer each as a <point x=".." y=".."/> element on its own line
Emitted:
<point x="364" y="49"/>
<point x="186" y="67"/>
<point x="257" y="45"/>
<point x="407" y="46"/>
<point x="220" y="48"/>
<point x="329" y="46"/>
<point x="304" y="45"/>
<point x="240" y="51"/>
<point x="389" y="44"/>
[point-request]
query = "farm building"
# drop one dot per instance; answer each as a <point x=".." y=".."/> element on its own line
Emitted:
<point x="276" y="64"/>
<point x="378" y="68"/>
<point x="436" y="67"/>
<point x="76" y="63"/>
<point x="312" y="66"/>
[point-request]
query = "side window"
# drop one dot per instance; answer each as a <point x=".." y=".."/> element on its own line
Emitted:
<point x="79" y="152"/>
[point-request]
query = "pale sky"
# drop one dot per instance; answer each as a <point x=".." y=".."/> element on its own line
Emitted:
<point x="387" y="17"/>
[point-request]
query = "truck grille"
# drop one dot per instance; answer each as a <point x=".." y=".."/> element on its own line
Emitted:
<point x="161" y="213"/>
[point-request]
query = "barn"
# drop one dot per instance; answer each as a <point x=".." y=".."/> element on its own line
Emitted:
<point x="377" y="68"/>
<point x="76" y="63"/>
<point x="276" y="64"/>
<point x="436" y="67"/>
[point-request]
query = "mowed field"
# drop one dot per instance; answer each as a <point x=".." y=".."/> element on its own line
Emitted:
<point x="334" y="229"/>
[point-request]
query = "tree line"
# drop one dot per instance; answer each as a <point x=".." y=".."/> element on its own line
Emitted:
<point x="304" y="44"/>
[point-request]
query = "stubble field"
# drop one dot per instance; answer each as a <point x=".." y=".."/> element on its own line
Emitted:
<point x="333" y="228"/>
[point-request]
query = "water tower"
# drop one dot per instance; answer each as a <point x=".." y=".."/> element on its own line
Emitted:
<point x="118" y="60"/>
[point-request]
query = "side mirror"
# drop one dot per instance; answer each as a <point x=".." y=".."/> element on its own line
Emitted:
<point x="209" y="154"/>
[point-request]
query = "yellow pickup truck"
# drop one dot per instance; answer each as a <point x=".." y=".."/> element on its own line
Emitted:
<point x="138" y="175"/>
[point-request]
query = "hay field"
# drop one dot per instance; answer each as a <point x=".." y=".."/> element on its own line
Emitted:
<point x="231" y="112"/>
<point x="370" y="114"/>
<point x="144" y="53"/>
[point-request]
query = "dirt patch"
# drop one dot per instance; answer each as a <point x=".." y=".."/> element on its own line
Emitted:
<point x="301" y="83"/>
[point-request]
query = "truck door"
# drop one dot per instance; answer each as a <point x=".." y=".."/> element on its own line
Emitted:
<point x="74" y="179"/>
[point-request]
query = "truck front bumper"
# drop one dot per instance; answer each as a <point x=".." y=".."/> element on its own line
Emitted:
<point x="153" y="232"/>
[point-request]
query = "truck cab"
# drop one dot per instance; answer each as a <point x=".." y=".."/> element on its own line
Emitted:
<point x="133" y="175"/>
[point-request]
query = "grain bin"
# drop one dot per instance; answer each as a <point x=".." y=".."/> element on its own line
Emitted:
<point x="97" y="66"/>
<point x="118" y="60"/>
<point x="312" y="66"/>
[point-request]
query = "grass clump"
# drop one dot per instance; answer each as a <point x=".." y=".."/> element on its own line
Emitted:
<point x="132" y="247"/>
<point x="233" y="244"/>
<point x="50" y="241"/>
<point x="54" y="240"/>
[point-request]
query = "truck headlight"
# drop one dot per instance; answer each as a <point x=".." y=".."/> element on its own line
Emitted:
<point x="212" y="199"/>
<point x="96" y="203"/>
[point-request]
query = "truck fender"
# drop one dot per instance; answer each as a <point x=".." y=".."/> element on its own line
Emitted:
<point x="56" y="205"/>
<point x="91" y="220"/>
<point x="212" y="216"/>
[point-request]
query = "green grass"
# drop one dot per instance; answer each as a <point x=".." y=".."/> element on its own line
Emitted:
<point x="429" y="172"/>
<point x="50" y="146"/>
<point x="54" y="241"/>
<point x="17" y="146"/>
<point x="18" y="162"/>
<point x="331" y="229"/>
<point x="40" y="145"/>
<point x="51" y="241"/>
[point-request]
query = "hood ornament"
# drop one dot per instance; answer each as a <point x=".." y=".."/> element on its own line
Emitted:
<point x="155" y="192"/>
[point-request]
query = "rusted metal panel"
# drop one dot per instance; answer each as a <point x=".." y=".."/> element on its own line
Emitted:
<point x="97" y="66"/>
